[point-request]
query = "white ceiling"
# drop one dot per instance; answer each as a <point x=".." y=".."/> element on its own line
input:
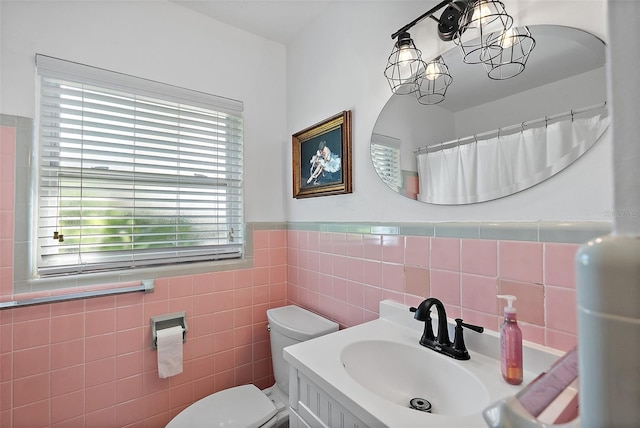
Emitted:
<point x="277" y="20"/>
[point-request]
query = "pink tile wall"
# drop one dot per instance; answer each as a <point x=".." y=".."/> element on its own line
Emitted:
<point x="89" y="362"/>
<point x="466" y="274"/>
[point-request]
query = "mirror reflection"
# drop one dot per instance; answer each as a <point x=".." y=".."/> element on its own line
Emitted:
<point x="491" y="138"/>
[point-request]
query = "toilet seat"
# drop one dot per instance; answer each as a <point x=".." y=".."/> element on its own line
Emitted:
<point x="241" y="406"/>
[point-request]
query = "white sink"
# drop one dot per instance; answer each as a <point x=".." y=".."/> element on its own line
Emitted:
<point x="374" y="369"/>
<point x="400" y="373"/>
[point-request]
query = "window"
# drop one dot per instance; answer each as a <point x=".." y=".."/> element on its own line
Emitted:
<point x="132" y="172"/>
<point x="385" y="152"/>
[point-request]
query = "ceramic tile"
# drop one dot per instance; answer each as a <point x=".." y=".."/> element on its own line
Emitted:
<point x="372" y="273"/>
<point x="520" y="261"/>
<point x="203" y="283"/>
<point x="355" y="294"/>
<point x="181" y="286"/>
<point x="559" y="264"/>
<point x="28" y="334"/>
<point x="479" y="293"/>
<point x="277" y="274"/>
<point x="393" y="277"/>
<point x="31" y="361"/>
<point x="372" y="247"/>
<point x="355" y="269"/>
<point x="561" y="340"/>
<point x="417" y="251"/>
<point x="243" y="278"/>
<point x="355" y="315"/>
<point x="129" y="317"/>
<point x="130" y="412"/>
<point x="339" y="266"/>
<point x="129" y="364"/>
<point x="313" y="240"/>
<point x="509" y="231"/>
<point x="456" y="230"/>
<point x="242" y="297"/>
<point x="30" y="389"/>
<point x="34" y="414"/>
<point x="130" y="340"/>
<point x="223" y="321"/>
<point x="100" y="371"/>
<point x="479" y="256"/>
<point x="340" y="289"/>
<point x="573" y="232"/>
<point x="67" y="327"/>
<point x="372" y="298"/>
<point x="100" y="322"/>
<point x="393" y="249"/>
<point x="339" y="244"/>
<point x="224" y="281"/>
<point x="66" y="354"/>
<point x="445" y="254"/>
<point x="355" y="246"/>
<point x="277" y="238"/>
<point x="67" y="407"/>
<point x="260" y="239"/>
<point x="561" y="309"/>
<point x="99" y="347"/>
<point x="417" y="281"/>
<point x="532" y="333"/>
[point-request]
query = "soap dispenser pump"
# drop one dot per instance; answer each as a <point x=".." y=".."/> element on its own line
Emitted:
<point x="511" y="343"/>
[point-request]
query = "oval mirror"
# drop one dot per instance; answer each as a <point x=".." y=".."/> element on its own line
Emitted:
<point x="491" y="138"/>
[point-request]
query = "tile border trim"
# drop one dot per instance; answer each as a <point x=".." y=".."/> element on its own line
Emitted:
<point x="561" y="231"/>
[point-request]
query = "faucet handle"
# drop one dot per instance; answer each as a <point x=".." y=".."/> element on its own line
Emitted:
<point x="459" y="348"/>
<point x="476" y="328"/>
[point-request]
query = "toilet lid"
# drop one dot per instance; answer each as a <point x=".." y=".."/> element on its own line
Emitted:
<point x="242" y="406"/>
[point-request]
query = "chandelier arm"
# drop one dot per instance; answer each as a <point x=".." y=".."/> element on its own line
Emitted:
<point x="427" y="14"/>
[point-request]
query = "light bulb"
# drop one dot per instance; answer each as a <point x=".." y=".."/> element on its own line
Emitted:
<point x="406" y="54"/>
<point x="508" y="37"/>
<point x="433" y="71"/>
<point x="481" y="12"/>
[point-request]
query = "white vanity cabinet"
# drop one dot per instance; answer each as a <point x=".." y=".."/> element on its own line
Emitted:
<point x="311" y="407"/>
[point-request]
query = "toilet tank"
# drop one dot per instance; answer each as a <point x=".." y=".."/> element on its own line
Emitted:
<point x="289" y="325"/>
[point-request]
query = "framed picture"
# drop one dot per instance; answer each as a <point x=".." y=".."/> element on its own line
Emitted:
<point x="322" y="158"/>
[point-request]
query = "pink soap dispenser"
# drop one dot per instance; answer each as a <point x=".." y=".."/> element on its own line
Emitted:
<point x="511" y="343"/>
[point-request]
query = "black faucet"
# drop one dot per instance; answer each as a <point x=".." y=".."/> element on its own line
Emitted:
<point x="441" y="342"/>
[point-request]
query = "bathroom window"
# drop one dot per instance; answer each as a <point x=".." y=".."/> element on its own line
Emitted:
<point x="385" y="152"/>
<point x="133" y="173"/>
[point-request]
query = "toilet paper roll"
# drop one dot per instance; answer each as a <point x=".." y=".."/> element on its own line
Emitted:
<point x="169" y="343"/>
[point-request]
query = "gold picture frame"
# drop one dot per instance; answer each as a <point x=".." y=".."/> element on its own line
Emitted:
<point x="322" y="158"/>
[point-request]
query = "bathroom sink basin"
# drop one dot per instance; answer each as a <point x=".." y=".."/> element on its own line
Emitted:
<point x="400" y="373"/>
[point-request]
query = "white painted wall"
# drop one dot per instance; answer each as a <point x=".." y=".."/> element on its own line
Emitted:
<point x="161" y="41"/>
<point x="338" y="63"/>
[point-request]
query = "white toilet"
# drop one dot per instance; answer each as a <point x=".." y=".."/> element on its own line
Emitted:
<point x="246" y="406"/>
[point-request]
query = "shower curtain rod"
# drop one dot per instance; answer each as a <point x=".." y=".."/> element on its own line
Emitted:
<point x="474" y="138"/>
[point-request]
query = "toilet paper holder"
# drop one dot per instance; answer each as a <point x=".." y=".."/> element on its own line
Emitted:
<point x="161" y="322"/>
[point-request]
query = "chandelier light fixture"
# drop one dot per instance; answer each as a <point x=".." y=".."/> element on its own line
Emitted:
<point x="433" y="86"/>
<point x="405" y="67"/>
<point x="514" y="46"/>
<point x="481" y="29"/>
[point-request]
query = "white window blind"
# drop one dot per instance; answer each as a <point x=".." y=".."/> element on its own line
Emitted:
<point x="385" y="153"/>
<point x="133" y="172"/>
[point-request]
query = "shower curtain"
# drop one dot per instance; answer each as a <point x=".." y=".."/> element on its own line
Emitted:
<point x="504" y="164"/>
